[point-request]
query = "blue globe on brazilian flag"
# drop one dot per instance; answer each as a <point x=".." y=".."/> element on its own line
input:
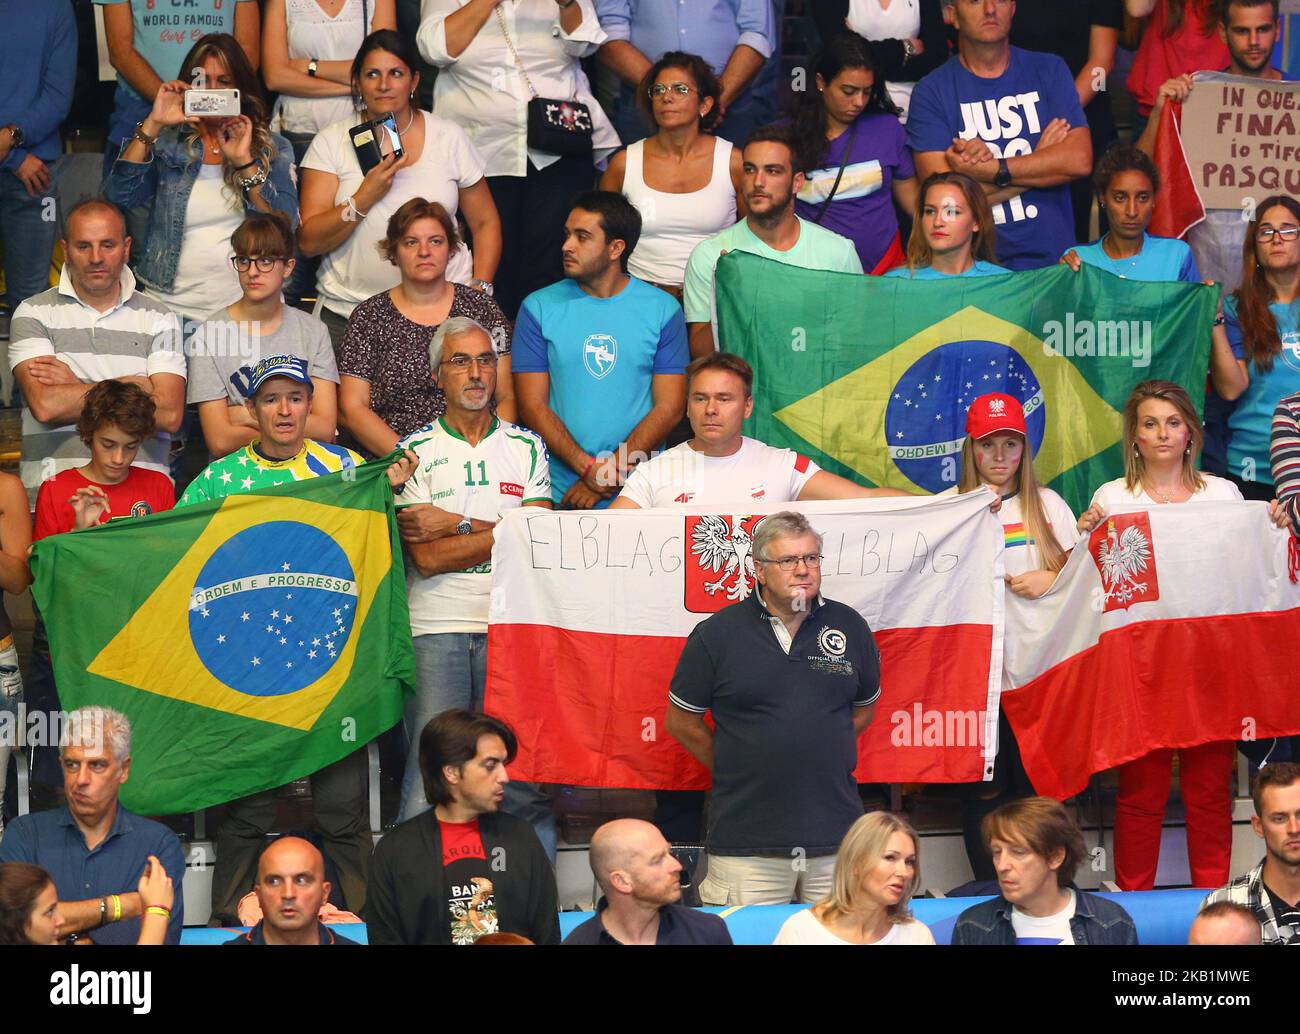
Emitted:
<point x="872" y="376"/>
<point x="251" y="640"/>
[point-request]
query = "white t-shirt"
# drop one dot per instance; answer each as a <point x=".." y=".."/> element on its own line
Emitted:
<point x="805" y="928"/>
<point x="1115" y="494"/>
<point x="355" y="271"/>
<point x="1021" y="553"/>
<point x="1045" y="930"/>
<point x="754" y="472"/>
<point x="310" y="32"/>
<point x="507" y="469"/>
<point x="205" y="279"/>
<point x="902" y="20"/>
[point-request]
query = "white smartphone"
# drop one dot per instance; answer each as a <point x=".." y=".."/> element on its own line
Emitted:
<point x="212" y="103"/>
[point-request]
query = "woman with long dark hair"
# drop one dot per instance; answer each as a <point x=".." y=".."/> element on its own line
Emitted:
<point x="1263" y="324"/>
<point x="29" y="904"/>
<point x="345" y="211"/>
<point x="202" y="175"/>
<point x="850" y="140"/>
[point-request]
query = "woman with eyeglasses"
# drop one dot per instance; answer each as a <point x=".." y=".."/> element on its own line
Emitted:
<point x="344" y="211"/>
<point x="203" y="175"/>
<point x="231" y="341"/>
<point x="386" y="387"/>
<point x="1263" y="323"/>
<point x="684" y="181"/>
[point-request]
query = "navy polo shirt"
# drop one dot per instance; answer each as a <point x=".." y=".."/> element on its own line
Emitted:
<point x="54" y="841"/>
<point x="256" y="936"/>
<point x="677" y="925"/>
<point x="784" y="749"/>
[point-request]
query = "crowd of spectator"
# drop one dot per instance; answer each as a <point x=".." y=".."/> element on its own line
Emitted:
<point x="520" y="285"/>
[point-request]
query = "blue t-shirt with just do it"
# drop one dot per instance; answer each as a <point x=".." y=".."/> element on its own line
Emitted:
<point x="1251" y="421"/>
<point x="1009" y="113"/>
<point x="602" y="355"/>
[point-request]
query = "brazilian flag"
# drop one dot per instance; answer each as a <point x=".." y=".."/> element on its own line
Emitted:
<point x="871" y="377"/>
<point x="251" y="640"/>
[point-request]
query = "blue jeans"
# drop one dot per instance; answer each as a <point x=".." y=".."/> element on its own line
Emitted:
<point x="28" y="227"/>
<point x="450" y="672"/>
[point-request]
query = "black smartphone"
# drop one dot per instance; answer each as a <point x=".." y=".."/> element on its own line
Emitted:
<point x="374" y="140"/>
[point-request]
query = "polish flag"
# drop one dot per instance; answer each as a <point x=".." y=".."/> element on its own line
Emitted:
<point x="1170" y="626"/>
<point x="590" y="612"/>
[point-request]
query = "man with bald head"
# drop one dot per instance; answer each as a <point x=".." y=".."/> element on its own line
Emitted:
<point x="1225" y="922"/>
<point x="291" y="887"/>
<point x="639" y="879"/>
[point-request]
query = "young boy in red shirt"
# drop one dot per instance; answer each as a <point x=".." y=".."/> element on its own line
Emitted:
<point x="115" y="419"/>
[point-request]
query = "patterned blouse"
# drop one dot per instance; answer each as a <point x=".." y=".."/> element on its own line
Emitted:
<point x="391" y="352"/>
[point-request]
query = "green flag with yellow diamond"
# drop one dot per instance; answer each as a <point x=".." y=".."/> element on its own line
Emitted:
<point x="871" y="377"/>
<point x="251" y="640"/>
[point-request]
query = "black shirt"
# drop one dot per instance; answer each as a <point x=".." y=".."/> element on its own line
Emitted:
<point x="257" y="936"/>
<point x="1284" y="913"/>
<point x="677" y="925"/>
<point x="784" y="749"/>
<point x="1063" y="29"/>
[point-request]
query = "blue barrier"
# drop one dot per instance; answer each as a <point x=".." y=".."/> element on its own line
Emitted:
<point x="1161" y="916"/>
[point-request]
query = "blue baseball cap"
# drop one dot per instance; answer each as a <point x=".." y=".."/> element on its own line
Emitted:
<point x="278" y="366"/>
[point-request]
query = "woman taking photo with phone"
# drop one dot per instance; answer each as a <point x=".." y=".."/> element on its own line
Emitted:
<point x="346" y="211"/>
<point x="202" y="175"/>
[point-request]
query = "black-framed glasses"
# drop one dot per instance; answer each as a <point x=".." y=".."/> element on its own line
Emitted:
<point x="788" y="563"/>
<point x="487" y="360"/>
<point x="264" y="263"/>
<point x="1288" y="233"/>
<point x="681" y="89"/>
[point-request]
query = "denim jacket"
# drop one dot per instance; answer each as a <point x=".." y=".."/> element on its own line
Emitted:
<point x="1095" y="921"/>
<point x="165" y="183"/>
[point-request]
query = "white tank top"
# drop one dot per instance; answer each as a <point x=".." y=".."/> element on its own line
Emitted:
<point x="672" y="224"/>
<point x="313" y="33"/>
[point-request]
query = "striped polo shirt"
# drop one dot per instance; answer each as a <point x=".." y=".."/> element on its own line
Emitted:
<point x="138" y="337"/>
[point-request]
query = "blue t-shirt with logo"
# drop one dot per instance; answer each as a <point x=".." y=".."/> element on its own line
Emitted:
<point x="1161" y="258"/>
<point x="602" y="355"/>
<point x="1009" y="114"/>
<point x="1251" y="421"/>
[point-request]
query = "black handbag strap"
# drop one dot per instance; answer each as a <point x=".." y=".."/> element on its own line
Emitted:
<point x="848" y="146"/>
<point x="365" y="19"/>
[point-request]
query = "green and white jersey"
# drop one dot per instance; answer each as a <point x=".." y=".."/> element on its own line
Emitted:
<point x="507" y="469"/>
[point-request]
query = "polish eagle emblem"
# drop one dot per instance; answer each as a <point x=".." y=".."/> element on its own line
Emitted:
<point x="1124" y="555"/>
<point x="725" y="548"/>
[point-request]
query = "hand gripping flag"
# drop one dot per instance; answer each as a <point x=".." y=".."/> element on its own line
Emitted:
<point x="251" y="640"/>
<point x="872" y="377"/>
<point x="590" y="612"/>
<point x="1170" y="626"/>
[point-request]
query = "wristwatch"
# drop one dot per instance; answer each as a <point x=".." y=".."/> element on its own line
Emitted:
<point x="909" y="51"/>
<point x="1003" y="178"/>
<point x="483" y="285"/>
<point x="311" y="68"/>
<point x="464" y="527"/>
<point x="16" y="134"/>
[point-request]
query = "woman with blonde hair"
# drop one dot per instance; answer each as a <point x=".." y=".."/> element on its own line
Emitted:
<point x="877" y="872"/>
<point x="1038" y="531"/>
<point x="203" y="175"/>
<point x="952" y="232"/>
<point x="1162" y="444"/>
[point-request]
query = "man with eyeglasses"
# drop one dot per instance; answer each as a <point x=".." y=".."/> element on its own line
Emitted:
<point x="279" y="401"/>
<point x="470" y="468"/>
<point x="232" y="341"/>
<point x="792" y="680"/>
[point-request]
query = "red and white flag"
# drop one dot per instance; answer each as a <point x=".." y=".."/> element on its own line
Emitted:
<point x="590" y="612"/>
<point x="1169" y="626"/>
